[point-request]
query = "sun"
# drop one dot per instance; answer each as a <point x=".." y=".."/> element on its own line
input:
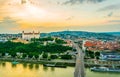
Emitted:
<point x="25" y="9"/>
<point x="28" y="12"/>
<point x="34" y="11"/>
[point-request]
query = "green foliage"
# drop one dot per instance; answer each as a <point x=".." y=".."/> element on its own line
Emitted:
<point x="36" y="56"/>
<point x="59" y="41"/>
<point x="53" y="56"/>
<point x="54" y="48"/>
<point x="31" y="49"/>
<point x="89" y="54"/>
<point x="3" y="54"/>
<point x="118" y="50"/>
<point x="42" y="39"/>
<point x="97" y="57"/>
<point x="97" y="54"/>
<point x="14" y="38"/>
<point x="74" y="50"/>
<point x="8" y="46"/>
<point x="30" y="55"/>
<point x="24" y="55"/>
<point x="66" y="57"/>
<point x="13" y="54"/>
<point x="45" y="55"/>
<point x="92" y="54"/>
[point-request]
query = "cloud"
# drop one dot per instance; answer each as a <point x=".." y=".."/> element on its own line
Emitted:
<point x="110" y="7"/>
<point x="116" y="21"/>
<point x="72" y="2"/>
<point x="2" y="1"/>
<point x="117" y="16"/>
<point x="7" y="24"/>
<point x="70" y="18"/>
<point x="110" y="14"/>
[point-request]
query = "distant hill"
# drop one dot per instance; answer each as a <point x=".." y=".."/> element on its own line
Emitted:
<point x="84" y="34"/>
<point x="113" y="33"/>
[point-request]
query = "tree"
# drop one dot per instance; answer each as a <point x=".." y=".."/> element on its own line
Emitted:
<point x="30" y="55"/>
<point x="42" y="39"/>
<point x="53" y="56"/>
<point x="59" y="41"/>
<point x="66" y="57"/>
<point x="31" y="49"/>
<point x="97" y="55"/>
<point x="24" y="55"/>
<point x="91" y="53"/>
<point x="3" y="53"/>
<point x="13" y="54"/>
<point x="45" y="55"/>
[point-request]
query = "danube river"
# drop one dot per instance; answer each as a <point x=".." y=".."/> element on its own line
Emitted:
<point x="7" y="69"/>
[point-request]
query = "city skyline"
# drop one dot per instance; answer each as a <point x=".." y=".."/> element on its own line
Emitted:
<point x="58" y="15"/>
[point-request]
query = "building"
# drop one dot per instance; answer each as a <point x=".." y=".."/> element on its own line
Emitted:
<point x="30" y="35"/>
<point x="93" y="45"/>
<point x="3" y="39"/>
<point x="68" y="43"/>
<point x="110" y="56"/>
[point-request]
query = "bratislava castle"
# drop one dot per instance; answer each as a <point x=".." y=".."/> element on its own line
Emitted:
<point x="30" y="35"/>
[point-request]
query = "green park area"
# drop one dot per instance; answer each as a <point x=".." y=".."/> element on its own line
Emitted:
<point x="35" y="49"/>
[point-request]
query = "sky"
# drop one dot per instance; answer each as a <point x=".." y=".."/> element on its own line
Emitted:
<point x="58" y="15"/>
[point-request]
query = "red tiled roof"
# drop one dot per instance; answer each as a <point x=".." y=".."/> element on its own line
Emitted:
<point x="89" y="44"/>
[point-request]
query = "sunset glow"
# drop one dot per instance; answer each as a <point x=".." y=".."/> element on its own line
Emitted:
<point x="59" y="15"/>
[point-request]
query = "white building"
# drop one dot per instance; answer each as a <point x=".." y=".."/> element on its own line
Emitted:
<point x="110" y="56"/>
<point x="3" y="39"/>
<point x="30" y="35"/>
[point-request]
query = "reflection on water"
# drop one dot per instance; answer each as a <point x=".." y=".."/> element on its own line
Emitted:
<point x="52" y="68"/>
<point x="13" y="65"/>
<point x="25" y="65"/>
<point x="7" y="69"/>
<point x="31" y="66"/>
<point x="45" y="68"/>
<point x="36" y="66"/>
<point x="3" y="64"/>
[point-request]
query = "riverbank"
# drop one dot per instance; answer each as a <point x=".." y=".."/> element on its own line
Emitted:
<point x="88" y="63"/>
<point x="65" y="62"/>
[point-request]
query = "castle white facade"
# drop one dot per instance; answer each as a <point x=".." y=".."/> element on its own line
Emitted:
<point x="30" y="35"/>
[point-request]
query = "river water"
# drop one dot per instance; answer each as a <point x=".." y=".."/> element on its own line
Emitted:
<point x="7" y="69"/>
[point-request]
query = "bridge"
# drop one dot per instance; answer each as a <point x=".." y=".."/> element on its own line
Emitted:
<point x="79" y="68"/>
